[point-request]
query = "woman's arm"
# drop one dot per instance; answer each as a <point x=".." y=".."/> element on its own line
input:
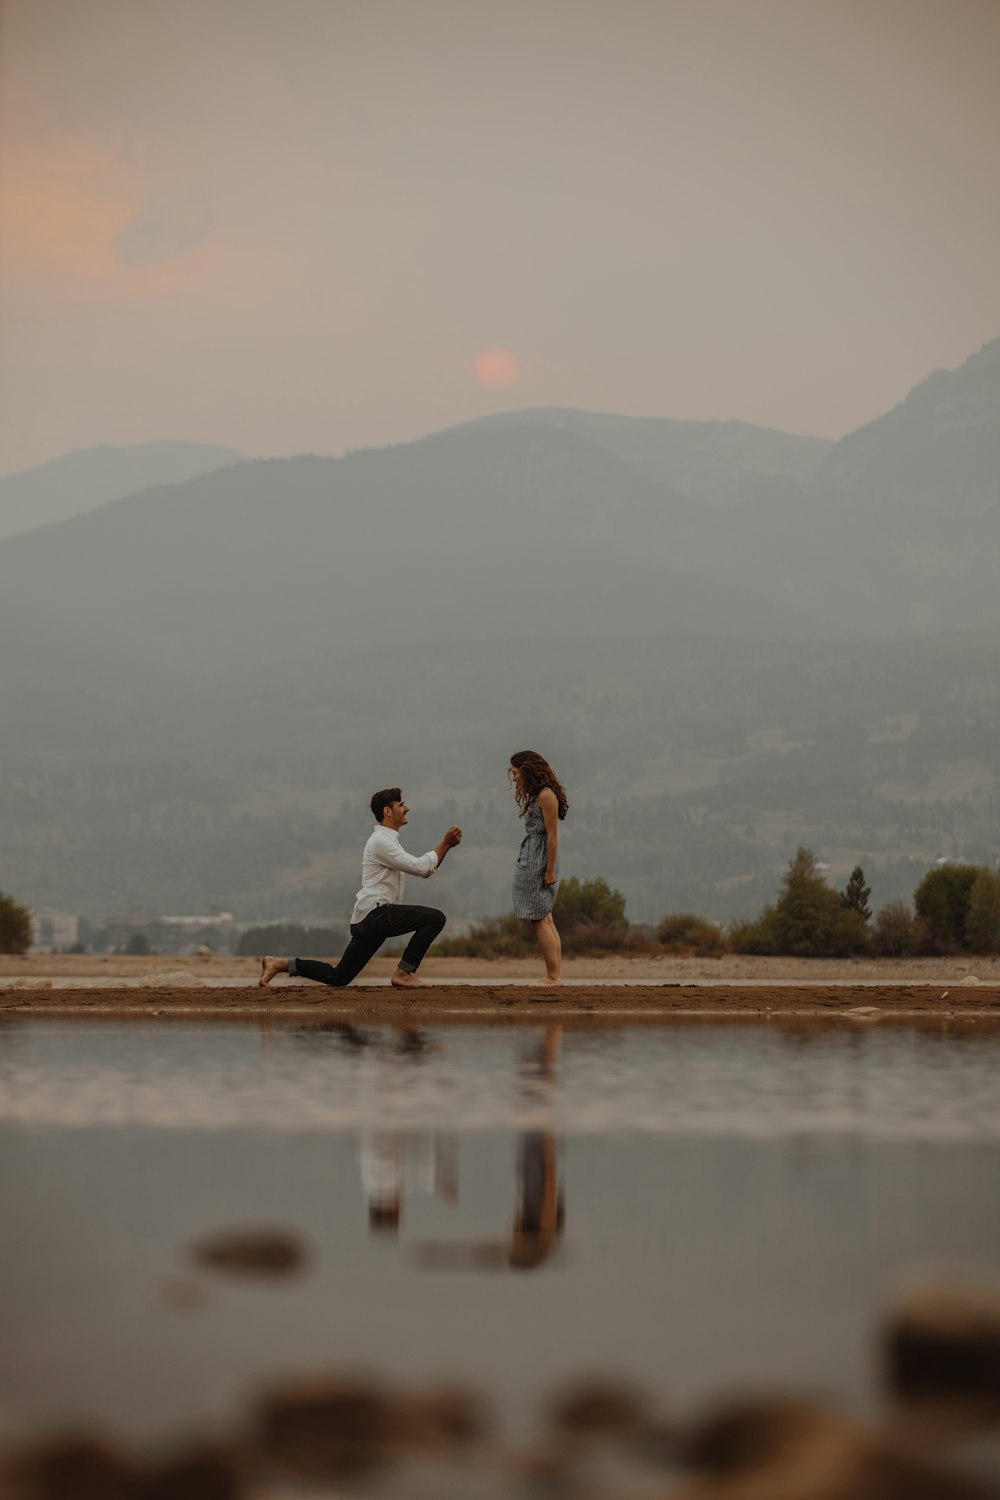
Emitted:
<point x="549" y="804"/>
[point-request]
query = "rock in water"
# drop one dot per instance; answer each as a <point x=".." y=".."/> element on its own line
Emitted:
<point x="252" y="1252"/>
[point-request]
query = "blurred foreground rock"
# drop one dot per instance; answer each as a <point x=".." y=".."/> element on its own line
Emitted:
<point x="773" y="1449"/>
<point x="942" y="1341"/>
<point x="252" y="1252"/>
<point x="83" y="1466"/>
<point x="68" y="1466"/>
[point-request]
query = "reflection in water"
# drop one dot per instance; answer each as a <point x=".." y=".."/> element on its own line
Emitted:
<point x="539" y="1213"/>
<point x="396" y="1163"/>
<point x="783" y="1180"/>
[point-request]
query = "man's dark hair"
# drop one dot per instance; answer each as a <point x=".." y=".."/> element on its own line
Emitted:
<point x="384" y="799"/>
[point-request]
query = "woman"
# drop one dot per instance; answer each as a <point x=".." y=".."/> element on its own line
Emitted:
<point x="542" y="800"/>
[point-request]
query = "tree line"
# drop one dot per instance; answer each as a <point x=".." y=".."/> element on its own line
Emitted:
<point x="956" y="909"/>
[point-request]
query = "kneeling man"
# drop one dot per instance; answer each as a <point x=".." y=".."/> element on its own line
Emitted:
<point x="379" y="912"/>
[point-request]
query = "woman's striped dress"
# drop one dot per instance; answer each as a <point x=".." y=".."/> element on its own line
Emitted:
<point x="532" y="898"/>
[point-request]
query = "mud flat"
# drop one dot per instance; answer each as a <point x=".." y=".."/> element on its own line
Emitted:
<point x="866" y="1002"/>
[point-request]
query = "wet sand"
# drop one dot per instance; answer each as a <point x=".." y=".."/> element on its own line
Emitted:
<point x="514" y="1002"/>
<point x="625" y="990"/>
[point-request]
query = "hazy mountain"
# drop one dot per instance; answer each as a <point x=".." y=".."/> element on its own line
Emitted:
<point x="492" y="534"/>
<point x="709" y="460"/>
<point x="200" y="682"/>
<point x="695" y="766"/>
<point x="89" y="477"/>
<point x="897" y="532"/>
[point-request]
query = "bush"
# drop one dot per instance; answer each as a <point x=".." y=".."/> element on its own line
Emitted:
<point x="589" y="903"/>
<point x="15" y="926"/>
<point x="595" y="937"/>
<point x="292" y="939"/>
<point x="897" y="933"/>
<point x="942" y="899"/>
<point x="982" y="920"/>
<point x="683" y="932"/>
<point x="759" y="938"/>
<point x="493" y="937"/>
<point x="138" y="943"/>
<point x="589" y="914"/>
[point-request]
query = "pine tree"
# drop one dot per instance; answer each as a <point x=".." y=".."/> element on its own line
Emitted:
<point x="856" y="895"/>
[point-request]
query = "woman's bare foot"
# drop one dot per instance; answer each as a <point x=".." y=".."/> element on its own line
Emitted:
<point x="269" y="967"/>
<point x="404" y="980"/>
<point x="550" y="984"/>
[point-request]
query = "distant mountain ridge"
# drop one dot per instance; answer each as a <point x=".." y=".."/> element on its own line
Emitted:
<point x="725" y="661"/>
<point x="709" y="460"/>
<point x="89" y="477"/>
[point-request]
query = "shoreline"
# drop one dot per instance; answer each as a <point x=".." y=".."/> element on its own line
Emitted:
<point x="484" y="1003"/>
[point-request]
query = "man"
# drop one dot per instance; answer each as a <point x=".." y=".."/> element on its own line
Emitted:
<point x="379" y="912"/>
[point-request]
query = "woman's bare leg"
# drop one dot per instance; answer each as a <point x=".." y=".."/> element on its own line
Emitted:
<point x="269" y="967"/>
<point x="550" y="946"/>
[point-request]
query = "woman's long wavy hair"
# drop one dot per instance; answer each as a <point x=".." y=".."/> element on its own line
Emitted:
<point x="536" y="773"/>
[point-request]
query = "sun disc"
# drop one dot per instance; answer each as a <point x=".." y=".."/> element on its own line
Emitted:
<point x="496" y="368"/>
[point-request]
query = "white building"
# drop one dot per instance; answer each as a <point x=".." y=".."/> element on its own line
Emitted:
<point x="52" y="931"/>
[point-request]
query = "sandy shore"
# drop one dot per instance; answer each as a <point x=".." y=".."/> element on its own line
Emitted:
<point x="654" y="969"/>
<point x="613" y="989"/>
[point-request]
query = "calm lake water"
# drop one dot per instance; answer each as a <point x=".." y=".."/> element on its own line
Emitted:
<point x="695" y="1207"/>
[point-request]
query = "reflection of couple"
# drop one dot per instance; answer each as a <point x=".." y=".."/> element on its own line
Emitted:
<point x="380" y="913"/>
<point x="539" y="1213"/>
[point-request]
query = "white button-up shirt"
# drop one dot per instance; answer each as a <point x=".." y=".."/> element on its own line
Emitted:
<point x="385" y="865"/>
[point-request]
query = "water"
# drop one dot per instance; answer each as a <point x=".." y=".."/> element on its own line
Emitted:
<point x="695" y="1207"/>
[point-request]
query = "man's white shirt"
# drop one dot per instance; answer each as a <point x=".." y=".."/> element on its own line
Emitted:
<point x="385" y="865"/>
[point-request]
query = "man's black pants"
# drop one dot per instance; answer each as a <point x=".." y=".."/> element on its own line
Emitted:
<point x="367" y="937"/>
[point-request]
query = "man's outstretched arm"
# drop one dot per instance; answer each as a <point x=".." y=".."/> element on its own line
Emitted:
<point x="395" y="856"/>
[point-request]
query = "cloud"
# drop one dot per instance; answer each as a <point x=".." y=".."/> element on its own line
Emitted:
<point x="162" y="232"/>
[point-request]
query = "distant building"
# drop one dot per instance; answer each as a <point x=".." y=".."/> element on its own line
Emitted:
<point x="170" y="935"/>
<point x="52" y="931"/>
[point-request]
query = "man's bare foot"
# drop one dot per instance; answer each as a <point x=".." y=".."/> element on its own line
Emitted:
<point x="269" y="967"/>
<point x="404" y="980"/>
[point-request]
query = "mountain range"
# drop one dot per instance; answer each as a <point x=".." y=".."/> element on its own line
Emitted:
<point x="757" y="638"/>
<point x="90" y="477"/>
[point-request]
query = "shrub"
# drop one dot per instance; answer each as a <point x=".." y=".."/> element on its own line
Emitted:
<point x="595" y="937"/>
<point x="683" y="932"/>
<point x="493" y="937"/>
<point x="942" y="900"/>
<point x="292" y="939"/>
<point x="759" y="938"/>
<point x="138" y="943"/>
<point x="897" y="933"/>
<point x="15" y="926"/>
<point x="589" y="903"/>
<point x="589" y="914"/>
<point x="982" y="920"/>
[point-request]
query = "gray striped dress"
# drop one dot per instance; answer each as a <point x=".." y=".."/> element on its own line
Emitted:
<point x="532" y="898"/>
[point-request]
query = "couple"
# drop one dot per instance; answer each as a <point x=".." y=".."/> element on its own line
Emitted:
<point x="379" y="912"/>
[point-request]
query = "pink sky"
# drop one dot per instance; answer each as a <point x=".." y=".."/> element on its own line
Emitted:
<point x="301" y="226"/>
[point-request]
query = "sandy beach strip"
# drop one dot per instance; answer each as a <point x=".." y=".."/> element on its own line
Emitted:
<point x="485" y="1002"/>
<point x="616" y="989"/>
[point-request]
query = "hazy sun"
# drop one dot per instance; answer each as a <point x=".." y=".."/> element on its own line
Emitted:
<point x="496" y="368"/>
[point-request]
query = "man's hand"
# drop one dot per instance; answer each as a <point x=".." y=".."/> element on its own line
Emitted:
<point x="451" y="838"/>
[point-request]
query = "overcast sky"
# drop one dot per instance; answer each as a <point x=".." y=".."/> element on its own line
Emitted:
<point x="301" y="225"/>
